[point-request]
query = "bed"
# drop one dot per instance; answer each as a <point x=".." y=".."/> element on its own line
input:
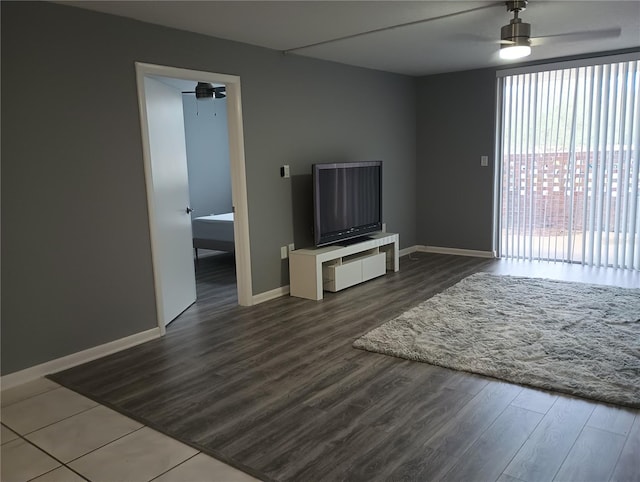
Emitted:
<point x="213" y="232"/>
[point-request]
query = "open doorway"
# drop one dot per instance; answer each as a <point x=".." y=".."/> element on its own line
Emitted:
<point x="208" y="167"/>
<point x="171" y="220"/>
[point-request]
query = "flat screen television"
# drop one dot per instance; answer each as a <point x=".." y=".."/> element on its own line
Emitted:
<point x="347" y="201"/>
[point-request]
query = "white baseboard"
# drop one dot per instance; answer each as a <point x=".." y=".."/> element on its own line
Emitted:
<point x="456" y="251"/>
<point x="409" y="250"/>
<point x="84" y="356"/>
<point x="270" y="295"/>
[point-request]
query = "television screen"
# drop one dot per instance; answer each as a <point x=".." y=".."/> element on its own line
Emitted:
<point x="347" y="199"/>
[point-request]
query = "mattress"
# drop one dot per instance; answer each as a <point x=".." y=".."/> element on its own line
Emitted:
<point x="215" y="226"/>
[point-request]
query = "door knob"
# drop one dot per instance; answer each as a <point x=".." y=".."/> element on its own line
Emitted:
<point x="189" y="210"/>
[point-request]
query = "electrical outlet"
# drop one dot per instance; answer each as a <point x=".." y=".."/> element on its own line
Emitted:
<point x="283" y="252"/>
<point x="292" y="247"/>
<point x="484" y="161"/>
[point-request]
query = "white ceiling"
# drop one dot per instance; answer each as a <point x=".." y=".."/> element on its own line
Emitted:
<point x="461" y="41"/>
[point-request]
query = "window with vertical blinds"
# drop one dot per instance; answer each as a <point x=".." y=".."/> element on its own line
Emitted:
<point x="570" y="170"/>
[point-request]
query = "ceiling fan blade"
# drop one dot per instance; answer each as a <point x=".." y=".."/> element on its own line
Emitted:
<point x="188" y="91"/>
<point x="470" y="37"/>
<point x="577" y="36"/>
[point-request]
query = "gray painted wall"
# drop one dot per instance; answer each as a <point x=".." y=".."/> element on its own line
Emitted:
<point x="76" y="256"/>
<point x="455" y="121"/>
<point x="207" y="141"/>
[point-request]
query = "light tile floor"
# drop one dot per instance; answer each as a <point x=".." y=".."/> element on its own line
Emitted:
<point x="52" y="434"/>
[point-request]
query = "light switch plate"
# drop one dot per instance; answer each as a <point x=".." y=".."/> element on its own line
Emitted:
<point x="484" y="161"/>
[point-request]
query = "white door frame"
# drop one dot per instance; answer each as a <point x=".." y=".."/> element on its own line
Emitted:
<point x="238" y="172"/>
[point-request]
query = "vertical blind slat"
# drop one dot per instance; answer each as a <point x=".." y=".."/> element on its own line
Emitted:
<point x="570" y="188"/>
<point x="609" y="188"/>
<point x="516" y="177"/>
<point x="547" y="81"/>
<point x="595" y="183"/>
<point x="508" y="197"/>
<point x="534" y="152"/>
<point x="618" y="258"/>
<point x="634" y="255"/>
<point x="557" y="95"/>
<point x="587" y="163"/>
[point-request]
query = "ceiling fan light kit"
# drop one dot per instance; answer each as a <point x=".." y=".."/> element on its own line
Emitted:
<point x="204" y="90"/>
<point x="510" y="52"/>
<point x="515" y="38"/>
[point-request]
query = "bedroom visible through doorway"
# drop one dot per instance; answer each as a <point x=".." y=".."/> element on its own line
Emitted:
<point x="208" y="167"/>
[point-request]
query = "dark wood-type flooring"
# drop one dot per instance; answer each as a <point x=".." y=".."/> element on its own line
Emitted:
<point x="277" y="390"/>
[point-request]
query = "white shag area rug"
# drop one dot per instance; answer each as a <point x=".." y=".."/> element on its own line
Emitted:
<point x="575" y="338"/>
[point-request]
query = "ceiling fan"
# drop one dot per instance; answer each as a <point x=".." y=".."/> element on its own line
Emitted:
<point x="516" y="40"/>
<point x="205" y="90"/>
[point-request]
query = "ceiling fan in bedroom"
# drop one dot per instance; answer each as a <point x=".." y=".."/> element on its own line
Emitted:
<point x="205" y="90"/>
<point x="516" y="40"/>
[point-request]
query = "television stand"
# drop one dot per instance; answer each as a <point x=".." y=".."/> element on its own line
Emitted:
<point x="333" y="268"/>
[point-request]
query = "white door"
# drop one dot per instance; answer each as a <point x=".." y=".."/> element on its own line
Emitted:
<point x="170" y="219"/>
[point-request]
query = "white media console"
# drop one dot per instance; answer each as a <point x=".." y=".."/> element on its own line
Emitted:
<point x="333" y="268"/>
